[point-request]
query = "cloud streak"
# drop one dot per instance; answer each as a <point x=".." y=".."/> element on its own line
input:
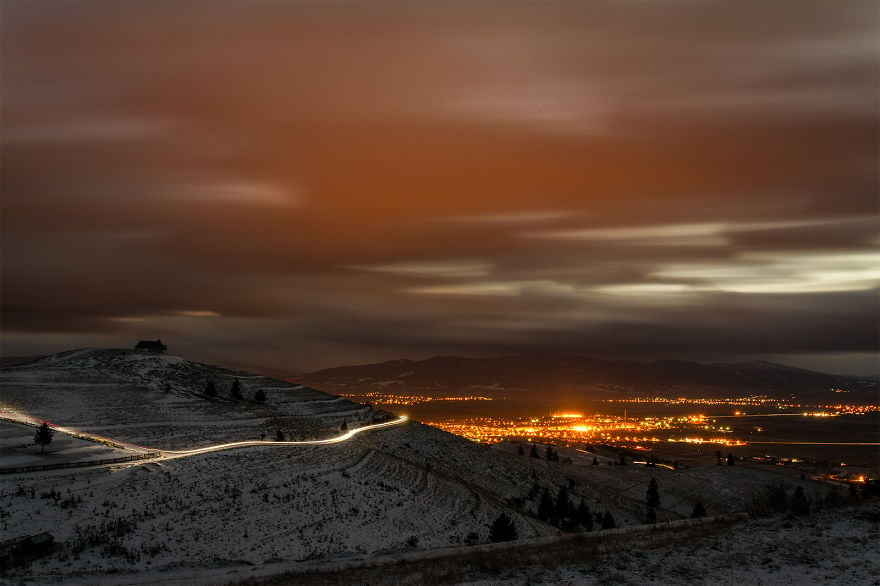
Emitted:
<point x="294" y="186"/>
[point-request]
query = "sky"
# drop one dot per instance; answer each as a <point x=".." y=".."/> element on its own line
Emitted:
<point x="288" y="186"/>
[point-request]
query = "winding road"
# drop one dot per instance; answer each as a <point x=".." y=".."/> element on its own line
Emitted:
<point x="173" y="454"/>
<point x="169" y="454"/>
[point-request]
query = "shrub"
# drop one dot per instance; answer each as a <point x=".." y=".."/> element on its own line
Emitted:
<point x="800" y="505"/>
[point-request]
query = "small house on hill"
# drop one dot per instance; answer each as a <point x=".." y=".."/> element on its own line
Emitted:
<point x="151" y="346"/>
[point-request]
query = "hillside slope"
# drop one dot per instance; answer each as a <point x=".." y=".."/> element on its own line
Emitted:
<point x="395" y="489"/>
<point x="387" y="491"/>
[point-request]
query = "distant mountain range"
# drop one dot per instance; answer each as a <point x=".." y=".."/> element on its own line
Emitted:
<point x="548" y="372"/>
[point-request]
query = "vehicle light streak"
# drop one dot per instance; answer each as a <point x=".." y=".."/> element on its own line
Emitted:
<point x="170" y="454"/>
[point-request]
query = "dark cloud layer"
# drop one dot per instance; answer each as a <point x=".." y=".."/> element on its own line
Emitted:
<point x="299" y="185"/>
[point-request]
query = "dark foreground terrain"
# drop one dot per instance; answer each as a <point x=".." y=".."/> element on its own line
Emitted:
<point x="835" y="546"/>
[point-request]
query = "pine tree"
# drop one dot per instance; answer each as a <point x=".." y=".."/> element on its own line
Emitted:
<point x="562" y="503"/>
<point x="502" y="529"/>
<point x="235" y="390"/>
<point x="584" y="517"/>
<point x="698" y="511"/>
<point x="260" y="396"/>
<point x="652" y="496"/>
<point x="43" y="436"/>
<point x="211" y="388"/>
<point x="546" y="510"/>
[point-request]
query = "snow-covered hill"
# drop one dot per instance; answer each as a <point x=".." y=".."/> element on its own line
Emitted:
<point x="160" y="400"/>
<point x="398" y="489"/>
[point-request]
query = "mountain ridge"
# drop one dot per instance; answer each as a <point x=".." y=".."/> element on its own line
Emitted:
<point x="547" y="371"/>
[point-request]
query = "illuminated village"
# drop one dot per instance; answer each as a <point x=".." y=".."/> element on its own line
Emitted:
<point x="573" y="428"/>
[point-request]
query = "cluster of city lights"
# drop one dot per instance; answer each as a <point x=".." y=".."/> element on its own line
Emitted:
<point x="755" y="401"/>
<point x="395" y="399"/>
<point x="573" y="428"/>
<point x="752" y="400"/>
<point x="851" y="409"/>
<point x="702" y="440"/>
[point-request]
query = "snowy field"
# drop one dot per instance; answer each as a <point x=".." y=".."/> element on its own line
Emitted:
<point x="17" y="448"/>
<point x="840" y="546"/>
<point x="390" y="493"/>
